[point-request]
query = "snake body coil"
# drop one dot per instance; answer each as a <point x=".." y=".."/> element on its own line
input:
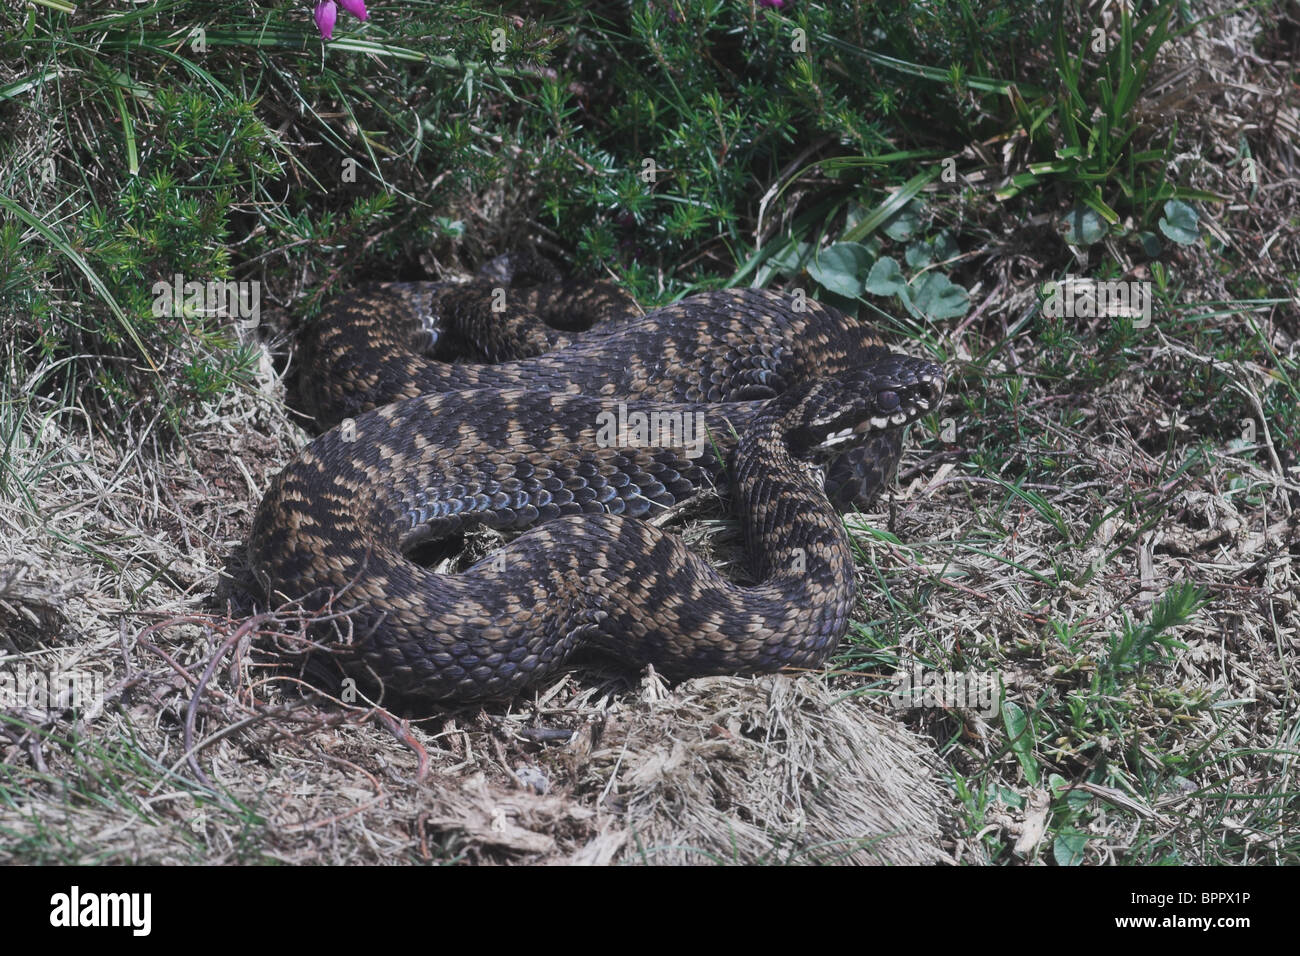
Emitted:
<point x="574" y="446"/>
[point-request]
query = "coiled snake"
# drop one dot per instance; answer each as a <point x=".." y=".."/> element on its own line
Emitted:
<point x="575" y="445"/>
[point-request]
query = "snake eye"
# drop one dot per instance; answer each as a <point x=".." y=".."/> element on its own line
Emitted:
<point x="887" y="401"/>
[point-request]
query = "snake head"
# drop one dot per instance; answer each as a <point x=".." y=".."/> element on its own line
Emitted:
<point x="839" y="411"/>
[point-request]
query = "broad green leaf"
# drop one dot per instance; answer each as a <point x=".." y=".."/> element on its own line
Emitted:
<point x="945" y="247"/>
<point x="905" y="223"/>
<point x="1020" y="737"/>
<point x="886" y="277"/>
<point x="1068" y="847"/>
<point x="918" y="255"/>
<point x="1010" y="797"/>
<point x="1083" y="226"/>
<point x="1060" y="787"/>
<point x="938" y="297"/>
<point x="1180" y="223"/>
<point x="1150" y="243"/>
<point x="841" y="268"/>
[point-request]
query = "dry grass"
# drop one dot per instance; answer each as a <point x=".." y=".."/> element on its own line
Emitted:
<point x="198" y="749"/>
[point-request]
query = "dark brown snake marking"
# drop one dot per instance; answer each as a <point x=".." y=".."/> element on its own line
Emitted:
<point x="517" y="445"/>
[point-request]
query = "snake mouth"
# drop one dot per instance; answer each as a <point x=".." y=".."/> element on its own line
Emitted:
<point x="892" y="404"/>
<point x="847" y="435"/>
<point x="855" y="433"/>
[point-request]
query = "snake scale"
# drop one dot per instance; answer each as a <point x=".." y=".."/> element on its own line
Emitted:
<point x="575" y="444"/>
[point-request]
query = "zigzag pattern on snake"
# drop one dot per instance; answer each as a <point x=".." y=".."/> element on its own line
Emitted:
<point x="746" y="388"/>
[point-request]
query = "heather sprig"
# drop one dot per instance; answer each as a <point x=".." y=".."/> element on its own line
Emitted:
<point x="327" y="14"/>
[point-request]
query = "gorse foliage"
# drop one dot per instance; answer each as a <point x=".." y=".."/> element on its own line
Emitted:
<point x="225" y="141"/>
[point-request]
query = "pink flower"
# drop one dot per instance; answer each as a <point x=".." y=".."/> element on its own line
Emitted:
<point x="355" y="7"/>
<point x="326" y="14"/>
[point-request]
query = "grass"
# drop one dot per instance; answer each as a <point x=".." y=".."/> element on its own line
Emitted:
<point x="1102" y="516"/>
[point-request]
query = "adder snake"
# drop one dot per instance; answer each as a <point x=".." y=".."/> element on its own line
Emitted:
<point x="747" y="386"/>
